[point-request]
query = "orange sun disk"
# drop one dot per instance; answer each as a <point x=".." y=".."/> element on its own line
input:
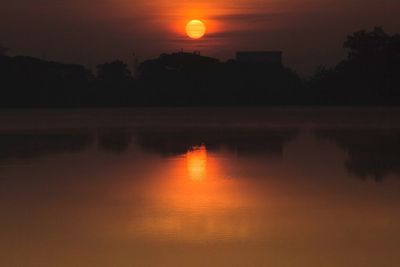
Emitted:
<point x="195" y="29"/>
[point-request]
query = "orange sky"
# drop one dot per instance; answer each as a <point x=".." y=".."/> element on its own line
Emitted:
<point x="310" y="32"/>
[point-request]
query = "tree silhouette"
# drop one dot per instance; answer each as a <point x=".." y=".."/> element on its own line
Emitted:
<point x="370" y="74"/>
<point x="113" y="72"/>
<point x="3" y="50"/>
<point x="374" y="57"/>
<point x="115" y="84"/>
<point x="367" y="44"/>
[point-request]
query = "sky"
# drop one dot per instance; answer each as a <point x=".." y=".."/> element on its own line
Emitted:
<point x="309" y="32"/>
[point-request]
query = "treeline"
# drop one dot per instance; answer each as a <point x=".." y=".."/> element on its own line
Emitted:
<point x="370" y="75"/>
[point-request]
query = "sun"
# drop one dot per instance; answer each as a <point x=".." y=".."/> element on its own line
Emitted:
<point x="195" y="29"/>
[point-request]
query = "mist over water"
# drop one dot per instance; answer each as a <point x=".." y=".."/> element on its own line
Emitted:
<point x="196" y="187"/>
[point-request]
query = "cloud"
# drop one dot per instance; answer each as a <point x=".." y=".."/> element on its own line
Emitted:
<point x="248" y="17"/>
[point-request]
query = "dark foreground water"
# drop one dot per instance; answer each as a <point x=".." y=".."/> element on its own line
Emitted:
<point x="200" y="187"/>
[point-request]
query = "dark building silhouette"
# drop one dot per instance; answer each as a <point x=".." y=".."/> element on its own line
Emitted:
<point x="260" y="56"/>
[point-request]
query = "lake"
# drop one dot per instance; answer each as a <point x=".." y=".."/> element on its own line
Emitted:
<point x="200" y="187"/>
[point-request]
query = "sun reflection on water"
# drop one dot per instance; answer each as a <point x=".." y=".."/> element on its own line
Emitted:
<point x="194" y="200"/>
<point x="196" y="159"/>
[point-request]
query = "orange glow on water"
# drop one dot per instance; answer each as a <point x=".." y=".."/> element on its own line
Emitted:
<point x="196" y="201"/>
<point x="196" y="159"/>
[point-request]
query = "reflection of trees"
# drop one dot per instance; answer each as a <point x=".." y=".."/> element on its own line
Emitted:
<point x="34" y="145"/>
<point x="269" y="142"/>
<point x="371" y="152"/>
<point x="114" y="141"/>
<point x="21" y="145"/>
<point x="241" y="142"/>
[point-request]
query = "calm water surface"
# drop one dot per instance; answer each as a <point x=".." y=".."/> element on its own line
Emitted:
<point x="200" y="187"/>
